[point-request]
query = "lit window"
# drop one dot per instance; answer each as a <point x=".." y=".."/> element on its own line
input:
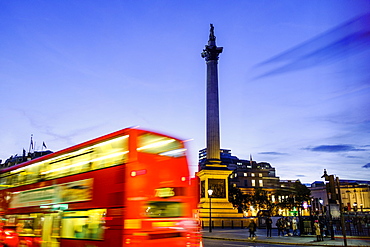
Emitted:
<point x="239" y="164"/>
<point x="156" y="144"/>
<point x="260" y="183"/>
<point x="160" y="209"/>
<point x="83" y="224"/>
<point x="253" y="175"/>
<point x="253" y="183"/>
<point x="260" y="175"/>
<point x="245" y="174"/>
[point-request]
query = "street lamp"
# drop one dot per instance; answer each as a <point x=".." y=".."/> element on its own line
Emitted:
<point x="321" y="201"/>
<point x="210" y="209"/>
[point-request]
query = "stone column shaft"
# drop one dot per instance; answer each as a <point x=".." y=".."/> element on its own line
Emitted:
<point x="210" y="54"/>
<point x="213" y="119"/>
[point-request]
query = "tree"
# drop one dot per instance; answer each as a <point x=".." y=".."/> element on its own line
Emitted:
<point x="239" y="200"/>
<point x="289" y="198"/>
<point x="236" y="197"/>
<point x="259" y="199"/>
<point x="302" y="193"/>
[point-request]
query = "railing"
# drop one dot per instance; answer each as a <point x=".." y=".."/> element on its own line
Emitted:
<point x="226" y="224"/>
<point x="355" y="226"/>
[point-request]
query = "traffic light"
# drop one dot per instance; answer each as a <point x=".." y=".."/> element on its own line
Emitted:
<point x="331" y="188"/>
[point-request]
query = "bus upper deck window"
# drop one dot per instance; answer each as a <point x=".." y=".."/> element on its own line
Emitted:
<point x="156" y="144"/>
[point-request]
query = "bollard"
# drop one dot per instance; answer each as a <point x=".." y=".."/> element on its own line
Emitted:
<point x="232" y="224"/>
<point x="222" y="224"/>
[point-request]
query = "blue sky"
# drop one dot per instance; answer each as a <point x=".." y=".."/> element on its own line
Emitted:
<point x="293" y="77"/>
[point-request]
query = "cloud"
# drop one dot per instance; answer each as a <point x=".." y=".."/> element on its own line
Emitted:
<point x="366" y="166"/>
<point x="339" y="43"/>
<point x="273" y="153"/>
<point x="301" y="176"/>
<point x="334" y="148"/>
<point x="353" y="157"/>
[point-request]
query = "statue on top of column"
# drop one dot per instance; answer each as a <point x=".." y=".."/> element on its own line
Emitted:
<point x="211" y="51"/>
<point x="212" y="36"/>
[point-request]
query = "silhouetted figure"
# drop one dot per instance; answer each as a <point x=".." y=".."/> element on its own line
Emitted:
<point x="252" y="230"/>
<point x="268" y="227"/>
<point x="280" y="227"/>
<point x="316" y="225"/>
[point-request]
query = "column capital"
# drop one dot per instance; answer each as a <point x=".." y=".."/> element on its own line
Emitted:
<point x="211" y="50"/>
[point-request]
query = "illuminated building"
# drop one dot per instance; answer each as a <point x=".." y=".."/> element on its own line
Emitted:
<point x="249" y="175"/>
<point x="245" y="173"/>
<point x="355" y="195"/>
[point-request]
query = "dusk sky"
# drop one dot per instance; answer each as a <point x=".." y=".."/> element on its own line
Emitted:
<point x="294" y="77"/>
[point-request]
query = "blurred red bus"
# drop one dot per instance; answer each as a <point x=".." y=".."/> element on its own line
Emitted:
<point x="128" y="188"/>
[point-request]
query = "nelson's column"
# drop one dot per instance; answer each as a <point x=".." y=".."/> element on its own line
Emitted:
<point x="214" y="175"/>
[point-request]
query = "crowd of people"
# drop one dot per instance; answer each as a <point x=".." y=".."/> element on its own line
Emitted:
<point x="318" y="226"/>
<point x="287" y="226"/>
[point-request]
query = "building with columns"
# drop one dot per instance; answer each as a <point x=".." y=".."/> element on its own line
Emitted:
<point x="249" y="175"/>
<point x="355" y="196"/>
<point x="246" y="174"/>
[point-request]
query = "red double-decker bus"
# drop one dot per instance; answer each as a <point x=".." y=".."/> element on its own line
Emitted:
<point x="128" y="188"/>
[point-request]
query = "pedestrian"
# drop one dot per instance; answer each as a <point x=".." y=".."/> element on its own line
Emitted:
<point x="322" y="225"/>
<point x="316" y="226"/>
<point x="287" y="227"/>
<point x="294" y="226"/>
<point x="279" y="224"/>
<point x="252" y="230"/>
<point x="268" y="227"/>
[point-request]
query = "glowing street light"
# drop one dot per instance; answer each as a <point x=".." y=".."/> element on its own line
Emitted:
<point x="210" y="209"/>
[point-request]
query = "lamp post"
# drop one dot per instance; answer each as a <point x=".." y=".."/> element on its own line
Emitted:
<point x="321" y="201"/>
<point x="210" y="209"/>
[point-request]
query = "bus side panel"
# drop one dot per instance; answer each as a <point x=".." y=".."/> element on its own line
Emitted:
<point x="108" y="186"/>
<point x="113" y="238"/>
<point x="64" y="242"/>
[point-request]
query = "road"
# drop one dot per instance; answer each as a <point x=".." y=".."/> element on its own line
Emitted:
<point x="226" y="243"/>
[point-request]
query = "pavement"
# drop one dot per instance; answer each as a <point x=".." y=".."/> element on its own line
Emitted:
<point x="308" y="240"/>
